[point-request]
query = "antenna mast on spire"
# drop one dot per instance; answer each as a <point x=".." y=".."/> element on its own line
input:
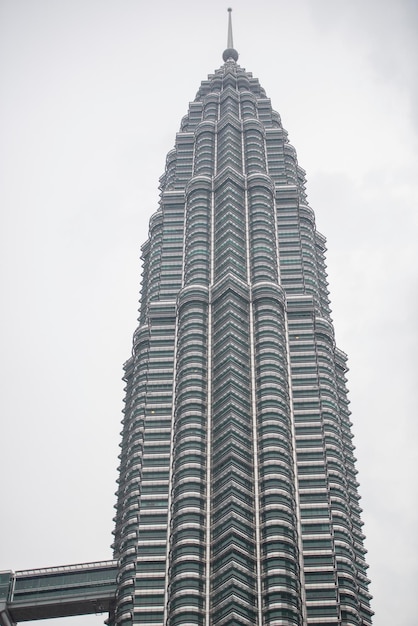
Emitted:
<point x="230" y="54"/>
<point x="230" y="43"/>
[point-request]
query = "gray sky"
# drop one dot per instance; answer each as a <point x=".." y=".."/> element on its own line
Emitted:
<point x="93" y="92"/>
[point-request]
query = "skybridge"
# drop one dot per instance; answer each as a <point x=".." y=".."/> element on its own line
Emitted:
<point x="82" y="589"/>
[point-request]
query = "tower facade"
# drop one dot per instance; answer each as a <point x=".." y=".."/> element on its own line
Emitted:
<point x="237" y="499"/>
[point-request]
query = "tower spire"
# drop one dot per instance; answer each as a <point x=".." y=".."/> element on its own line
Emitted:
<point x="230" y="53"/>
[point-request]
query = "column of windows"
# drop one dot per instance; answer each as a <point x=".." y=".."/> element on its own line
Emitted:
<point x="233" y="542"/>
<point x="204" y="149"/>
<point x="229" y="145"/>
<point x="262" y="231"/>
<point x="315" y="513"/>
<point x="234" y="597"/>
<point x="155" y="467"/>
<point x="279" y="552"/>
<point x="187" y="559"/>
<point x="188" y="533"/>
<point x="169" y="258"/>
<point x="255" y="158"/>
<point x="229" y="229"/>
<point x="197" y="244"/>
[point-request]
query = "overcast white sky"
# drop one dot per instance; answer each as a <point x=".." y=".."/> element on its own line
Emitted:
<point x="93" y="92"/>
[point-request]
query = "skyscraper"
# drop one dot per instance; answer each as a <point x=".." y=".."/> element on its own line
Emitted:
<point x="237" y="500"/>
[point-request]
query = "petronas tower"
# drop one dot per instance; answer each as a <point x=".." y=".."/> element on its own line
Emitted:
<point x="237" y="501"/>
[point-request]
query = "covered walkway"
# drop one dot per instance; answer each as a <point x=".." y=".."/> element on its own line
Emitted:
<point x="57" y="592"/>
